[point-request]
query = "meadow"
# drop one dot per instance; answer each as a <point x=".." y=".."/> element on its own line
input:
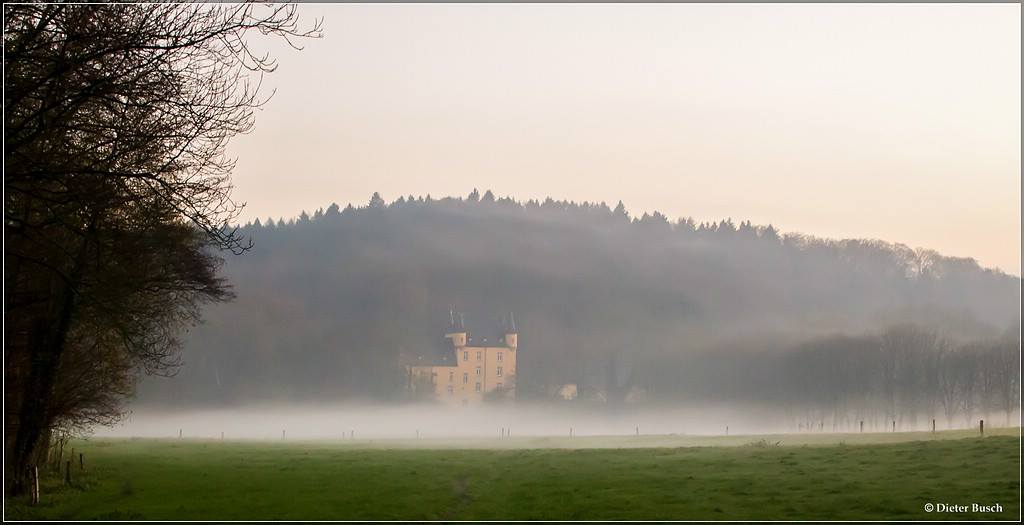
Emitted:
<point x="890" y="476"/>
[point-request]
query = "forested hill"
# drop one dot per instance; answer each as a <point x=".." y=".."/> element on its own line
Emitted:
<point x="325" y="303"/>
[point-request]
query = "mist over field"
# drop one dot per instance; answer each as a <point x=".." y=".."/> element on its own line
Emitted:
<point x="407" y="421"/>
<point x="715" y="322"/>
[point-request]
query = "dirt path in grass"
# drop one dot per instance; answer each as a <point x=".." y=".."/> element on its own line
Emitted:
<point x="462" y="498"/>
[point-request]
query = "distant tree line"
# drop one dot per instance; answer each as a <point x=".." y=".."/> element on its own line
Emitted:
<point x="908" y="375"/>
<point x="680" y="309"/>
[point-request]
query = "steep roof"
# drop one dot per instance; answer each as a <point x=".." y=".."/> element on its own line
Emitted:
<point x="482" y="330"/>
<point x="438" y="352"/>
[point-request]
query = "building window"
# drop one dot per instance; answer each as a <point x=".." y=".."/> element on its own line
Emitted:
<point x="478" y="387"/>
<point x="499" y="356"/>
<point x="479" y="355"/>
<point x="451" y="390"/>
<point x="478" y="370"/>
<point x="499" y="371"/>
<point x="451" y="377"/>
<point x="465" y="355"/>
<point x="465" y="377"/>
<point x="499" y="387"/>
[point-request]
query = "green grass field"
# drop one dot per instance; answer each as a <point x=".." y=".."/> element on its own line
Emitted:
<point x="804" y="477"/>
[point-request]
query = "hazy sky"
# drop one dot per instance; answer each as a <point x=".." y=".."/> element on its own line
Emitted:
<point x="898" y="122"/>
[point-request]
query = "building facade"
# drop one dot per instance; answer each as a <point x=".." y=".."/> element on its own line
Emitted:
<point x="468" y="365"/>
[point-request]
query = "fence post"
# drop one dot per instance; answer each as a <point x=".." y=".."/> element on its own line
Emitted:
<point x="981" y="426"/>
<point x="933" y="425"/>
<point x="894" y="425"/>
<point x="862" y="426"/>
<point x="81" y="461"/>
<point x="638" y="430"/>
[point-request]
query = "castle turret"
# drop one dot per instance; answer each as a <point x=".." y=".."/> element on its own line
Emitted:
<point x="456" y="330"/>
<point x="511" y="335"/>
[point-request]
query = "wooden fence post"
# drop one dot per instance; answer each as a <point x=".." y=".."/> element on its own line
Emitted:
<point x="638" y="430"/>
<point x="81" y="461"/>
<point x="933" y="425"/>
<point x="981" y="426"/>
<point x="894" y="425"/>
<point x="862" y="426"/>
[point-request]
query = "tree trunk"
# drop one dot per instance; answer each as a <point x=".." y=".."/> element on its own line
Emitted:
<point x="46" y="343"/>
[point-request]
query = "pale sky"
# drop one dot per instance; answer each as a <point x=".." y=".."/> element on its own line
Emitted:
<point x="895" y="122"/>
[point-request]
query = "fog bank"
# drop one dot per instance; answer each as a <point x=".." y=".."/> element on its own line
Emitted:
<point x="409" y="421"/>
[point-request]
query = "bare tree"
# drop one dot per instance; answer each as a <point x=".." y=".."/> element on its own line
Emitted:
<point x="116" y="185"/>
<point x="1005" y="359"/>
<point x="968" y="372"/>
<point x="949" y="386"/>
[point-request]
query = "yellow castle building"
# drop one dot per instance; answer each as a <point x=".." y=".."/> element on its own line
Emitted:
<point x="468" y="363"/>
